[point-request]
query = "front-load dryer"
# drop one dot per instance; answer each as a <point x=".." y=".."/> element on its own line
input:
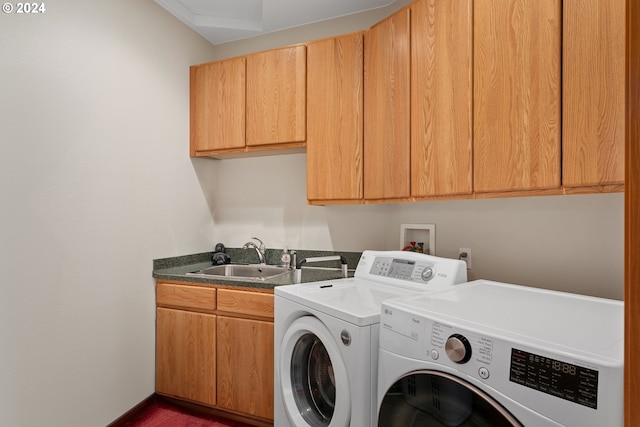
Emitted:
<point x="326" y="337"/>
<point x="494" y="354"/>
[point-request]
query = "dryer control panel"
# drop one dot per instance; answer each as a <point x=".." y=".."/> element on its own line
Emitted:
<point x="506" y="340"/>
<point x="555" y="377"/>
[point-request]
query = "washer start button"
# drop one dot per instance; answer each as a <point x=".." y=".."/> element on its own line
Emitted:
<point x="484" y="373"/>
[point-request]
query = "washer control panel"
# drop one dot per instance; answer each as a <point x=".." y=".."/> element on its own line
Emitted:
<point x="410" y="270"/>
<point x="403" y="269"/>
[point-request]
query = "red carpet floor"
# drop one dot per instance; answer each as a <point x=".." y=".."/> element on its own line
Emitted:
<point x="161" y="414"/>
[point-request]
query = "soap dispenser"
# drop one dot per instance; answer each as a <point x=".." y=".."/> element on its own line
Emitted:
<point x="285" y="258"/>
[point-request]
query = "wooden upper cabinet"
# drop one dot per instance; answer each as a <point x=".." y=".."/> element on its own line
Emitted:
<point x="441" y="97"/>
<point x="335" y="118"/>
<point x="387" y="108"/>
<point x="516" y="94"/>
<point x="217" y="106"/>
<point x="276" y="101"/>
<point x="593" y="92"/>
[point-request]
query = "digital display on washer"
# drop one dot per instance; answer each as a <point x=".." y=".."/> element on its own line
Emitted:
<point x="396" y="268"/>
<point x="401" y="269"/>
<point x="554" y="377"/>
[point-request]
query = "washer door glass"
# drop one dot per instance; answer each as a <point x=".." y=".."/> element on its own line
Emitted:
<point x="313" y="380"/>
<point x="314" y="377"/>
<point x="436" y="399"/>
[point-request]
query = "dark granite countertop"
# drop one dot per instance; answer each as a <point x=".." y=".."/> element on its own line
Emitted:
<point x="176" y="268"/>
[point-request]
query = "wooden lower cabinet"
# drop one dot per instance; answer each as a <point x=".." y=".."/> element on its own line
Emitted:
<point x="185" y="355"/>
<point x="245" y="366"/>
<point x="214" y="347"/>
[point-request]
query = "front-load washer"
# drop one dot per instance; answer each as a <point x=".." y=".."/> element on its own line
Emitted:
<point x="326" y="337"/>
<point x="493" y="354"/>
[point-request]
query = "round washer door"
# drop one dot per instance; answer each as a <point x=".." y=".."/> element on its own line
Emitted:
<point x="436" y="399"/>
<point x="314" y="382"/>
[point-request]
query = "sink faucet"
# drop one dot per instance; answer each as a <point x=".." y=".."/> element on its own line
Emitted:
<point x="261" y="250"/>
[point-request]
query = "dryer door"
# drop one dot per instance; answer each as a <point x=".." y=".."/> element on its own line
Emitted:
<point x="315" y="385"/>
<point x="436" y="399"/>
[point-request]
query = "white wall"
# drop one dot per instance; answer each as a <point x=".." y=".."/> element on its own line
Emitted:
<point x="568" y="243"/>
<point x="95" y="182"/>
<point x="266" y="197"/>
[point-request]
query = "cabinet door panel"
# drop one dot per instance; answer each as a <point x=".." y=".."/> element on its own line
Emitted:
<point x="516" y="94"/>
<point x="245" y="366"/>
<point x="593" y="92"/>
<point x="276" y="96"/>
<point x="441" y="97"/>
<point x="185" y="355"/>
<point x="335" y="118"/>
<point x="386" y="107"/>
<point x="218" y="105"/>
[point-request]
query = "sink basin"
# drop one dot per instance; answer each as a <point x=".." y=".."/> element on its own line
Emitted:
<point x="242" y="271"/>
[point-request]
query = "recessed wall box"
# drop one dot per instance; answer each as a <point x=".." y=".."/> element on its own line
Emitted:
<point x="414" y="234"/>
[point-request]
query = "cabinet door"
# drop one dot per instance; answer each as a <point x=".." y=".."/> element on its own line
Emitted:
<point x="593" y="92"/>
<point x="217" y="106"/>
<point x="441" y="97"/>
<point x="386" y="108"/>
<point x="335" y="118"/>
<point x="516" y="94"/>
<point x="245" y="366"/>
<point x="185" y="355"/>
<point x="276" y="96"/>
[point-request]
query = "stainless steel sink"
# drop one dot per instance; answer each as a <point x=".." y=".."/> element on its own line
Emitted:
<point x="259" y="272"/>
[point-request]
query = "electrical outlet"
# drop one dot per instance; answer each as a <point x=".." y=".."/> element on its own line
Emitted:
<point x="465" y="255"/>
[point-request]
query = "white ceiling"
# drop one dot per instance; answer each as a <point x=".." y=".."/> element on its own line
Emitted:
<point x="221" y="21"/>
